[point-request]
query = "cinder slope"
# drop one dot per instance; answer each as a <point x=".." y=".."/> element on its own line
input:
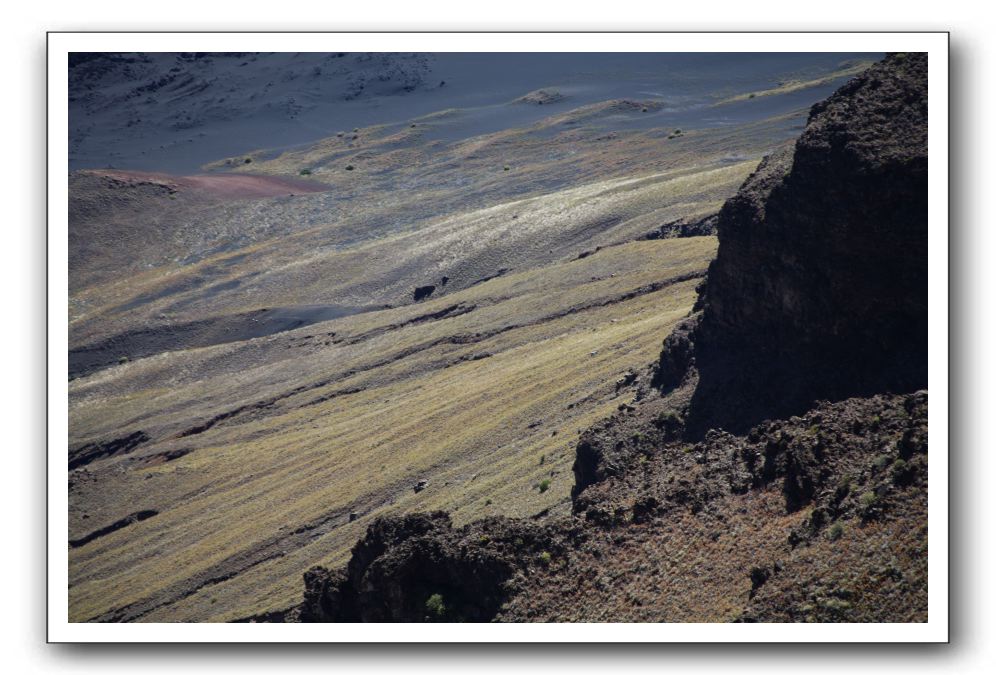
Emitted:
<point x="401" y="219"/>
<point x="162" y="111"/>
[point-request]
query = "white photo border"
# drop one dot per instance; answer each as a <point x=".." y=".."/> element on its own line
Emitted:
<point x="62" y="43"/>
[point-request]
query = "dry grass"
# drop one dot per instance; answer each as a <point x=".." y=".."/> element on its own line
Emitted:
<point x="466" y="428"/>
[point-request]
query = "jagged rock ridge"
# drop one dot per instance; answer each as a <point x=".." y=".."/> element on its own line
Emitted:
<point x="819" y="287"/>
<point x="404" y="562"/>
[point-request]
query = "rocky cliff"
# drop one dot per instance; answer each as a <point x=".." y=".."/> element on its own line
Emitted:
<point x="819" y="287"/>
<point x="776" y="469"/>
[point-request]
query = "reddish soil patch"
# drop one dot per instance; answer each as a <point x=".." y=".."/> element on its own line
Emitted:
<point x="222" y="186"/>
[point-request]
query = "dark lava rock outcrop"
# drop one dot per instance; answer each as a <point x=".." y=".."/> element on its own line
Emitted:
<point x="419" y="568"/>
<point x="90" y="452"/>
<point x="685" y="227"/>
<point x="423" y="292"/>
<point x="818" y="517"/>
<point x="819" y="287"/>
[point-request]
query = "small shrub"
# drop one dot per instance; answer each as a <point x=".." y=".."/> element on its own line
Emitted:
<point x="836" y="605"/>
<point x="868" y="499"/>
<point x="544" y="485"/>
<point x="752" y="96"/>
<point x="488" y="502"/>
<point x="545" y="558"/>
<point x="435" y="605"/>
<point x="248" y="160"/>
<point x="903" y="473"/>
<point x="542" y="460"/>
<point x="843" y="489"/>
<point x="508" y="168"/>
<point x="123" y="359"/>
<point x="835" y="532"/>
<point x="484" y="540"/>
<point x="667" y="419"/>
<point x="881" y="461"/>
<point x="349" y="167"/>
<point x="305" y="172"/>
